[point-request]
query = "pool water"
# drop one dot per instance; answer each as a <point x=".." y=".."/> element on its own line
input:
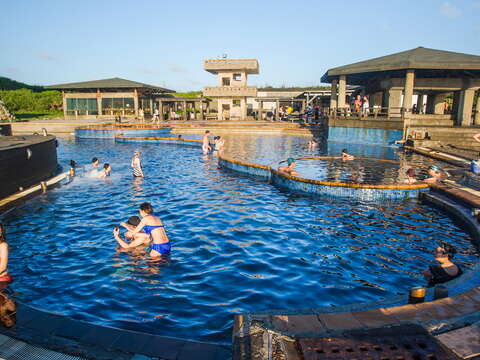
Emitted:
<point x="239" y="244"/>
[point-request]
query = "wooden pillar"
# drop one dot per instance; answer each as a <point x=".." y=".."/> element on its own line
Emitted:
<point x="160" y="110"/>
<point x="201" y="109"/>
<point x="464" y="114"/>
<point x="99" y="102"/>
<point x="64" y="100"/>
<point x="277" y="110"/>
<point x="408" y="90"/>
<point x="476" y="119"/>
<point x="333" y="95"/>
<point x="260" y="110"/>
<point x="342" y="91"/>
<point x="185" y="110"/>
<point x="135" y="101"/>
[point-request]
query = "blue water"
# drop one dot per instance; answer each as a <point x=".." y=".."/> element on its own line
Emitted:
<point x="238" y="244"/>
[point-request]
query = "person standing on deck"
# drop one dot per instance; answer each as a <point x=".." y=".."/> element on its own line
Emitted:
<point x="136" y="164"/>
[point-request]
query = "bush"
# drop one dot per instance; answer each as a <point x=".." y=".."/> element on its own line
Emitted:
<point x="25" y="100"/>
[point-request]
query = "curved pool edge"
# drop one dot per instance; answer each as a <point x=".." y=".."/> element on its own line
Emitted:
<point x="320" y="187"/>
<point x="461" y="308"/>
<point x="61" y="333"/>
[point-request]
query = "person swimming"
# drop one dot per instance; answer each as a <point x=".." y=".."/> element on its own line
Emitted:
<point x="446" y="270"/>
<point x="290" y="168"/>
<point x="346" y="156"/>
<point x="435" y="174"/>
<point x="153" y="226"/>
<point x="410" y="177"/>
<point x="106" y="171"/>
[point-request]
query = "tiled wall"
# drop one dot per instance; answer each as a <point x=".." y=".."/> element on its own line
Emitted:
<point x="308" y="187"/>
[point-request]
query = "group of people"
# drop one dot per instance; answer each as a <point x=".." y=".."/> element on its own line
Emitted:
<point x="217" y="146"/>
<point x="434" y="172"/>
<point x="95" y="170"/>
<point x="146" y="230"/>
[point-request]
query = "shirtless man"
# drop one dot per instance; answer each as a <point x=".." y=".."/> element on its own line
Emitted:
<point x="138" y="239"/>
<point x="290" y="168"/>
<point x="205" y="143"/>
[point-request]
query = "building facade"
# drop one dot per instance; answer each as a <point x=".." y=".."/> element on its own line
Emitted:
<point x="413" y="85"/>
<point x="107" y="98"/>
<point x="232" y="90"/>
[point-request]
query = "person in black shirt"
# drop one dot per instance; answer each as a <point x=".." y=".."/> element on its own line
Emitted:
<point x="446" y="270"/>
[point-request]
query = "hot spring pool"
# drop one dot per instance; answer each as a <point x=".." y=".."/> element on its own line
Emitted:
<point x="239" y="244"/>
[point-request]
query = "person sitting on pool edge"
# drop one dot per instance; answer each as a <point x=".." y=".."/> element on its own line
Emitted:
<point x="138" y="239"/>
<point x="290" y="168"/>
<point x="447" y="270"/>
<point x="435" y="174"/>
<point x="346" y="156"/>
<point x="153" y="226"/>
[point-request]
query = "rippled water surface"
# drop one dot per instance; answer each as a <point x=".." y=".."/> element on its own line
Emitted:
<point x="238" y="244"/>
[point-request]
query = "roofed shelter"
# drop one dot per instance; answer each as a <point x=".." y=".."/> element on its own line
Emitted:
<point x="425" y="75"/>
<point x="107" y="98"/>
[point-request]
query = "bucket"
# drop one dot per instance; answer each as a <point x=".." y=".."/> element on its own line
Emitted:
<point x="475" y="167"/>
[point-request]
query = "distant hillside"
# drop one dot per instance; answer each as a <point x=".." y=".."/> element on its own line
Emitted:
<point x="9" y="84"/>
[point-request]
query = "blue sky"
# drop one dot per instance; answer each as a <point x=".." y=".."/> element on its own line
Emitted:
<point x="165" y="42"/>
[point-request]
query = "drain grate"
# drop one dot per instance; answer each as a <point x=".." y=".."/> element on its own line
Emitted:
<point x="12" y="349"/>
<point x="397" y="343"/>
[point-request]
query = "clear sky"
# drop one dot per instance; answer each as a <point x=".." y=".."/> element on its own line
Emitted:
<point x="164" y="43"/>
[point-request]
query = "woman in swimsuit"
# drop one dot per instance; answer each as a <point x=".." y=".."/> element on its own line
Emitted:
<point x="153" y="226"/>
<point x="446" y="270"/>
<point x="4" y="276"/>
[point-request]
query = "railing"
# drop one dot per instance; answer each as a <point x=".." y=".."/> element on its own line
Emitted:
<point x="230" y="91"/>
<point x="370" y="113"/>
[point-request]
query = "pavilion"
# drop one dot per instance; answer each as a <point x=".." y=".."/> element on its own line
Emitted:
<point x="107" y="98"/>
<point x="392" y="83"/>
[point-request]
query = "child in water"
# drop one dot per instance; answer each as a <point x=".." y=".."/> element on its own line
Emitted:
<point x="106" y="171"/>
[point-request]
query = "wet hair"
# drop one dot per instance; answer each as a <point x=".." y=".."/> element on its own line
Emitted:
<point x="146" y="207"/>
<point x="106" y="165"/>
<point x="449" y="250"/>
<point x="3" y="237"/>
<point x="133" y="220"/>
<point x="94" y="160"/>
<point x="73" y="164"/>
<point x="216" y="137"/>
<point x="290" y="161"/>
<point x="207" y="131"/>
<point x="179" y="136"/>
<point x="410" y="172"/>
<point x="344" y="151"/>
<point x="434" y="168"/>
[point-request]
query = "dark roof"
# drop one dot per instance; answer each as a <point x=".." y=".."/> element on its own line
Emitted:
<point x="113" y="83"/>
<point x="418" y="58"/>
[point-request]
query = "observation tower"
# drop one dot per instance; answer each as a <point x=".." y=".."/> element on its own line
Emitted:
<point x="232" y="90"/>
